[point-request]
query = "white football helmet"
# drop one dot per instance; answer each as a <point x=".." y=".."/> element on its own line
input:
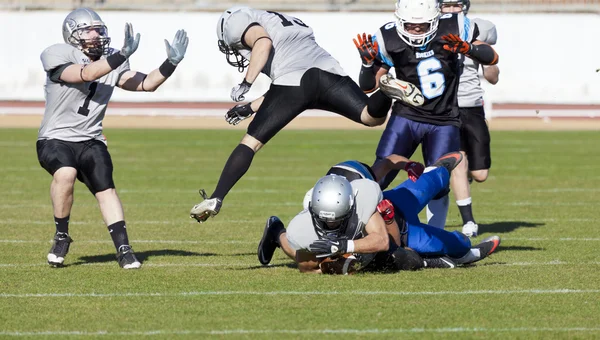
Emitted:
<point x="417" y="12"/>
<point x="240" y="62"/>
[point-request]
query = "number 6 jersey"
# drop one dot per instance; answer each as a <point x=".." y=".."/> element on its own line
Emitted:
<point x="431" y="68"/>
<point x="74" y="112"/>
<point x="294" y="47"/>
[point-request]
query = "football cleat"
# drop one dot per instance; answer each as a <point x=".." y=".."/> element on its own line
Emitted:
<point x="470" y="229"/>
<point x="449" y="160"/>
<point x="440" y="262"/>
<point x="401" y="90"/>
<point x="127" y="259"/>
<point x="488" y="246"/>
<point x="60" y="248"/>
<point x="270" y="240"/>
<point x="205" y="209"/>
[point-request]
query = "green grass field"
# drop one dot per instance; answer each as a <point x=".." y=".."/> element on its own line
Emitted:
<point x="204" y="281"/>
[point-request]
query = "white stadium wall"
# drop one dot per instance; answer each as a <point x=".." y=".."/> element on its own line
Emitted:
<point x="544" y="58"/>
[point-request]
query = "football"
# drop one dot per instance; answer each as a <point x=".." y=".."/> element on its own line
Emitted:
<point x="340" y="265"/>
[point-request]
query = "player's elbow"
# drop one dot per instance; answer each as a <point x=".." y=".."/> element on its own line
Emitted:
<point x="383" y="244"/>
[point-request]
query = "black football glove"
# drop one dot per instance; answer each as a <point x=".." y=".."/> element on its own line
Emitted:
<point x="329" y="246"/>
<point x="238" y="113"/>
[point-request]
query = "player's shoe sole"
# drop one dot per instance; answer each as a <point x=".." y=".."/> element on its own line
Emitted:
<point x="449" y="160"/>
<point x="205" y="209"/>
<point x="401" y="90"/>
<point x="268" y="243"/>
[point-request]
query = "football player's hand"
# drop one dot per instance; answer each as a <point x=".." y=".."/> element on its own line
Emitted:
<point x="455" y="44"/>
<point x="238" y="91"/>
<point x="414" y="170"/>
<point x="176" y="50"/>
<point x="130" y="45"/>
<point x="386" y="210"/>
<point x="367" y="49"/>
<point x="329" y="246"/>
<point x="238" y="113"/>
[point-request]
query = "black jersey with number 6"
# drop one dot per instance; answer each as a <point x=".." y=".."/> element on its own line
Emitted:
<point x="434" y="70"/>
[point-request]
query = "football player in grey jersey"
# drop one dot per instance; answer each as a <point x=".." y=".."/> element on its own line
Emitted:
<point x="348" y="225"/>
<point x="81" y="76"/>
<point x="474" y="132"/>
<point x="304" y="76"/>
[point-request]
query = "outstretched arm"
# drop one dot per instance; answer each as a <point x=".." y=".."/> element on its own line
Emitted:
<point x="138" y="81"/>
<point x="478" y="50"/>
<point x="81" y="73"/>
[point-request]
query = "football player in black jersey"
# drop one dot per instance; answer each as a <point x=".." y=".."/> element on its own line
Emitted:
<point x="424" y="49"/>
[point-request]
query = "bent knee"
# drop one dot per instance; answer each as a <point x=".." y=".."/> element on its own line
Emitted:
<point x="368" y="120"/>
<point x="65" y="175"/>
<point x="107" y="194"/>
<point x="480" y="175"/>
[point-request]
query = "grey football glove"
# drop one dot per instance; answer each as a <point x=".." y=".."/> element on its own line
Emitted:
<point x="238" y="91"/>
<point x="238" y="113"/>
<point x="176" y="50"/>
<point x="130" y="45"/>
<point x="329" y="247"/>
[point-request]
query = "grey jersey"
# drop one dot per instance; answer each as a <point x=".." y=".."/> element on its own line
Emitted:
<point x="301" y="232"/>
<point x="74" y="112"/>
<point x="470" y="93"/>
<point x="294" y="47"/>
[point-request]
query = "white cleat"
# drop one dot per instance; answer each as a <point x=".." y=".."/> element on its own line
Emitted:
<point x="401" y="90"/>
<point x="470" y="229"/>
<point x="205" y="209"/>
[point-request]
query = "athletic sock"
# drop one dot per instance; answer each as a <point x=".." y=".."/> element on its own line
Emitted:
<point x="118" y="232"/>
<point x="236" y="166"/>
<point x="62" y="224"/>
<point x="466" y="212"/>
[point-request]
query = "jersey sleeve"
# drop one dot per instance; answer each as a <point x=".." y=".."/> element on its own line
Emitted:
<point x="56" y="58"/>
<point x="368" y="195"/>
<point x="300" y="233"/>
<point x="383" y="54"/>
<point x="236" y="26"/>
<point x="487" y="31"/>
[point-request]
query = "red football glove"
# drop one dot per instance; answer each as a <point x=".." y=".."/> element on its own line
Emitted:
<point x="386" y="210"/>
<point x="456" y="44"/>
<point x="414" y="169"/>
<point x="367" y="48"/>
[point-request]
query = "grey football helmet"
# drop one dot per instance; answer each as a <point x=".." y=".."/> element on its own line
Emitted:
<point x="466" y="4"/>
<point x="240" y="62"/>
<point x="77" y="27"/>
<point x="332" y="204"/>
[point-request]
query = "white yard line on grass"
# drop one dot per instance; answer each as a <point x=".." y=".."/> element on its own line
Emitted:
<point x="305" y="293"/>
<point x="236" y="332"/>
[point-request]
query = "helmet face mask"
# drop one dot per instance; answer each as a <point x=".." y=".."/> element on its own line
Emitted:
<point x="410" y="13"/>
<point x="84" y="29"/>
<point x="233" y="57"/>
<point x="332" y="205"/>
<point x="464" y="5"/>
<point x="94" y="41"/>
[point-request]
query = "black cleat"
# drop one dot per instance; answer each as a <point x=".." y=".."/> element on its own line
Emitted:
<point x="270" y="240"/>
<point x="440" y="262"/>
<point x="127" y="259"/>
<point x="488" y="246"/>
<point x="60" y="248"/>
<point x="449" y="160"/>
